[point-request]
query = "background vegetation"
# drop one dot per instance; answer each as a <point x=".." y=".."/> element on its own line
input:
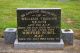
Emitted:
<point x="70" y="11"/>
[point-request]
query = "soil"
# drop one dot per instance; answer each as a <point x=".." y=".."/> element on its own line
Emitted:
<point x="8" y="48"/>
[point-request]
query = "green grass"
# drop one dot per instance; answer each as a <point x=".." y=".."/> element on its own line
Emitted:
<point x="8" y="17"/>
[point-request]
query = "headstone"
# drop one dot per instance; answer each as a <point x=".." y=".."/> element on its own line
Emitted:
<point x="67" y="36"/>
<point x="39" y="25"/>
<point x="10" y="35"/>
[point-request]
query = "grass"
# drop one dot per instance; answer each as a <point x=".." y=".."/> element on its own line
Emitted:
<point x="70" y="10"/>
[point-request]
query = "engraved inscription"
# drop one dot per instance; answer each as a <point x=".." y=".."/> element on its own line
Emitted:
<point x="38" y="25"/>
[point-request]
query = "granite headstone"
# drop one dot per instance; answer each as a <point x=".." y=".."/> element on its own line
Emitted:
<point x="39" y="25"/>
<point x="39" y="28"/>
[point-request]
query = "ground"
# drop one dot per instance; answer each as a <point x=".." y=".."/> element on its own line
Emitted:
<point x="8" y="48"/>
<point x="70" y="18"/>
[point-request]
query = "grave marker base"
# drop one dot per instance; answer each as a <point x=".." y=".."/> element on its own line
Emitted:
<point x="39" y="45"/>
